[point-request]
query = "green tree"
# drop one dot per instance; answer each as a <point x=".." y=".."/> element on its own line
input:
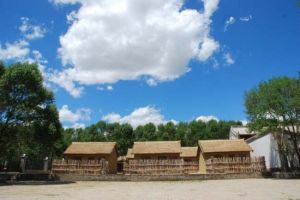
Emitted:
<point x="2" y="68"/>
<point x="274" y="106"/>
<point x="29" y="121"/>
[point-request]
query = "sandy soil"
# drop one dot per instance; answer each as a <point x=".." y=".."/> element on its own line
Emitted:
<point x="214" y="189"/>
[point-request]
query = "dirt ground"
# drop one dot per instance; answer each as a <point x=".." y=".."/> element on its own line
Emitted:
<point x="213" y="189"/>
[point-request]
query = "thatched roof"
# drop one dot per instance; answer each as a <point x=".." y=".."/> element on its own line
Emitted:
<point x="129" y="154"/>
<point x="90" y="148"/>
<point x="156" y="147"/>
<point x="211" y="146"/>
<point x="189" y="152"/>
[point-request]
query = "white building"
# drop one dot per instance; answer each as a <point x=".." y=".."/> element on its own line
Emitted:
<point x="240" y="132"/>
<point x="266" y="146"/>
<point x="262" y="145"/>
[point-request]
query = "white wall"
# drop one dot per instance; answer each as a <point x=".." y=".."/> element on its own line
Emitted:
<point x="266" y="146"/>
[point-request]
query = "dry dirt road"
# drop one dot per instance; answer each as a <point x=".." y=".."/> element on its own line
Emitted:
<point x="254" y="189"/>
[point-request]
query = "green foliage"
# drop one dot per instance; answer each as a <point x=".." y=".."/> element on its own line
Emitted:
<point x="124" y="135"/>
<point x="274" y="106"/>
<point x="2" y="68"/>
<point x="29" y="121"/>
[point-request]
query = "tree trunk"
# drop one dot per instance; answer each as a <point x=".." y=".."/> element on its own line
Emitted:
<point x="282" y="153"/>
<point x="293" y="135"/>
<point x="295" y="145"/>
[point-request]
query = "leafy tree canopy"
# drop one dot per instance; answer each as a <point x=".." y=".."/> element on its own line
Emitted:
<point x="29" y="121"/>
<point x="274" y="106"/>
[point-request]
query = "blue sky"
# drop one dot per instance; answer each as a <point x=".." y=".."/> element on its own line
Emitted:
<point x="153" y="60"/>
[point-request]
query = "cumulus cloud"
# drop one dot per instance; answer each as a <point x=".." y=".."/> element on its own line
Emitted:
<point x="206" y="118"/>
<point x="139" y="116"/>
<point x="67" y="115"/>
<point x="246" y="18"/>
<point x="20" y="49"/>
<point x="207" y="48"/>
<point x="78" y="125"/>
<point x="30" y="31"/>
<point x="231" y="20"/>
<point x="113" y="40"/>
<point x="16" y="50"/>
<point x="65" y="81"/>
<point x="228" y="58"/>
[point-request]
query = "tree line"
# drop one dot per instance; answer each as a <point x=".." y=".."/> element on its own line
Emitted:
<point x="187" y="132"/>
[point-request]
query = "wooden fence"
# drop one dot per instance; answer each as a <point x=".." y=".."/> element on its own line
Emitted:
<point x="80" y="167"/>
<point x="235" y="165"/>
<point x="160" y="167"/>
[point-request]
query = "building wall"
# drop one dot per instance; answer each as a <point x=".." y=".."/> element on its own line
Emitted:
<point x="112" y="162"/>
<point x="266" y="146"/>
<point x="202" y="164"/>
<point x="111" y="158"/>
<point x="205" y="156"/>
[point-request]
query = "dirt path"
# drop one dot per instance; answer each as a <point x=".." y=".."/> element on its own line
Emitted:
<point x="190" y="190"/>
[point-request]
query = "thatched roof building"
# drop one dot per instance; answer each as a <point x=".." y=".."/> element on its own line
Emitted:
<point x="94" y="151"/>
<point x="221" y="148"/>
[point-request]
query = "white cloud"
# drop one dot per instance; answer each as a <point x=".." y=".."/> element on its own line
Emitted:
<point x="139" y="116"/>
<point x="208" y="47"/>
<point x="78" y="125"/>
<point x="71" y="17"/>
<point x="113" y="40"/>
<point x="31" y="31"/>
<point x="228" y="58"/>
<point x="112" y="117"/>
<point x="17" y="50"/>
<point x="246" y="18"/>
<point x="231" y="20"/>
<point x="81" y="114"/>
<point x="206" y="118"/>
<point x="215" y="63"/>
<point x="62" y="79"/>
<point x="102" y="88"/>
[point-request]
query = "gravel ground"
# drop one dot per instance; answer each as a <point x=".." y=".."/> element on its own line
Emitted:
<point x="213" y="189"/>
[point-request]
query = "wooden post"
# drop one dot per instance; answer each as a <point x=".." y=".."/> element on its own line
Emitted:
<point x="23" y="163"/>
<point x="46" y="164"/>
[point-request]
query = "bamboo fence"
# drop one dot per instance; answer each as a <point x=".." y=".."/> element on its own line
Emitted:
<point x="229" y="165"/>
<point x="80" y="167"/>
<point x="160" y="167"/>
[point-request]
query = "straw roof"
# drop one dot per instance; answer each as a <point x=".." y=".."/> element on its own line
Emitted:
<point x="156" y="147"/>
<point x="90" y="148"/>
<point x="129" y="154"/>
<point x="189" y="152"/>
<point x="213" y="146"/>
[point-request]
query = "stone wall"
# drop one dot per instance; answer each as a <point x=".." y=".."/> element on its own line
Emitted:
<point x="187" y="177"/>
